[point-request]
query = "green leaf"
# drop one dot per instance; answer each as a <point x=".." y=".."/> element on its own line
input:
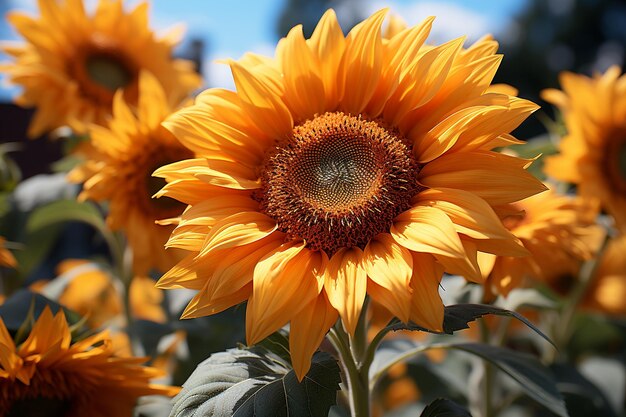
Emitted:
<point x="535" y="379"/>
<point x="442" y="407"/>
<point x="278" y="344"/>
<point x="254" y="382"/>
<point x="64" y="211"/>
<point x="457" y="316"/>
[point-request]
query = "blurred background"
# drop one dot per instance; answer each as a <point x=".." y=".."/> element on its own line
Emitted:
<point x="539" y="38"/>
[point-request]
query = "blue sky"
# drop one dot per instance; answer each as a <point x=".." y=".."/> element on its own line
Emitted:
<point x="231" y="28"/>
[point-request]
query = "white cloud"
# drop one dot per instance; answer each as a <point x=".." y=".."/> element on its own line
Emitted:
<point x="453" y="20"/>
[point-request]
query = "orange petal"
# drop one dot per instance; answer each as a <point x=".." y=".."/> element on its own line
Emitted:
<point x="304" y="90"/>
<point x="237" y="230"/>
<point x="284" y="282"/>
<point x="362" y="64"/>
<point x="471" y="215"/>
<point x="466" y="266"/>
<point x="427" y="229"/>
<point x="228" y="174"/>
<point x="389" y="266"/>
<point x="308" y="328"/>
<point x="426" y="306"/>
<point x="200" y="305"/>
<point x="488" y="175"/>
<point x="263" y="106"/>
<point x="329" y="44"/>
<point x="346" y="285"/>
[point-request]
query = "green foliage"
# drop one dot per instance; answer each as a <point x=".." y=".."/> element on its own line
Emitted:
<point x="442" y="407"/>
<point x="255" y="382"/>
<point x="457" y="316"/>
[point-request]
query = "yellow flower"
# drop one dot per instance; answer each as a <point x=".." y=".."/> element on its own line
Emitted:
<point x="6" y="257"/>
<point x="559" y="231"/>
<point x="607" y="292"/>
<point x="49" y="372"/>
<point x="593" y="154"/>
<point x="345" y="166"/>
<point x="119" y="171"/>
<point x="73" y="62"/>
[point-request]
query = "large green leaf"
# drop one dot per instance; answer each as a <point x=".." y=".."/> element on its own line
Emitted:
<point x="457" y="316"/>
<point x="255" y="382"/>
<point x="535" y="379"/>
<point x="442" y="407"/>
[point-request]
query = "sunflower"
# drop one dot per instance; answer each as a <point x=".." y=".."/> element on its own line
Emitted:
<point x="559" y="231"/>
<point x="50" y="372"/>
<point x="345" y="166"/>
<point x="593" y="154"/>
<point x="93" y="293"/>
<point x="73" y="63"/>
<point x="124" y="157"/>
<point x="607" y="292"/>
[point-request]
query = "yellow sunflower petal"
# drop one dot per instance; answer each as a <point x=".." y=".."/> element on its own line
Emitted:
<point x="284" y="282"/>
<point x="264" y="107"/>
<point x="426" y="305"/>
<point x="486" y="174"/>
<point x="328" y="43"/>
<point x="236" y="230"/>
<point x="390" y="267"/>
<point x="362" y="63"/>
<point x="304" y="89"/>
<point x="427" y="229"/>
<point x="346" y="284"/>
<point x="307" y="330"/>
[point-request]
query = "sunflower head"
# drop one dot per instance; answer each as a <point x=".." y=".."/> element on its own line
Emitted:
<point x="593" y="154"/>
<point x="345" y="166"/>
<point x="73" y="63"/>
<point x="560" y="233"/>
<point x="119" y="170"/>
<point x="50" y="373"/>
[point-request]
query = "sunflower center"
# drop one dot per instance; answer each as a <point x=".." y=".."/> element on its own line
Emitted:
<point x="108" y="72"/>
<point x="39" y="407"/>
<point x="338" y="181"/>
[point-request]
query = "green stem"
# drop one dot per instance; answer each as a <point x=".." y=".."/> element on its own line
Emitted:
<point x="563" y="332"/>
<point x="352" y="351"/>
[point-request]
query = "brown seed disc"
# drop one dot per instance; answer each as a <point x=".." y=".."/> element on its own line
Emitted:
<point x="338" y="181"/>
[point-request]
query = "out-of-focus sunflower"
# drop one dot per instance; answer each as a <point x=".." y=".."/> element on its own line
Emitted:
<point x="593" y="154"/>
<point x="73" y="62"/>
<point x="607" y="292"/>
<point x="126" y="154"/>
<point x="92" y="293"/>
<point x="6" y="257"/>
<point x="48" y="372"/>
<point x="559" y="231"/>
<point x="345" y="166"/>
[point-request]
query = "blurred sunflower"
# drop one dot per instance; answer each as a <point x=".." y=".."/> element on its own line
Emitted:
<point x="92" y="293"/>
<point x="125" y="155"/>
<point x="6" y="257"/>
<point x="73" y="63"/>
<point x="559" y="231"/>
<point x="47" y="374"/>
<point x="593" y="154"/>
<point x="345" y="166"/>
<point x="607" y="292"/>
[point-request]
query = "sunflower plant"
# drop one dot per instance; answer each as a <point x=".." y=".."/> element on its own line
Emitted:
<point x="361" y="196"/>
